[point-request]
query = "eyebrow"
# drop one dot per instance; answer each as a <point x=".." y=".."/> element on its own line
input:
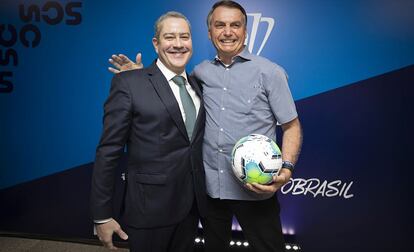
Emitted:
<point x="173" y="33"/>
<point x="217" y="22"/>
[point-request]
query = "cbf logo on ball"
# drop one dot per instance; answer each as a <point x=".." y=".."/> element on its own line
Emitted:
<point x="256" y="158"/>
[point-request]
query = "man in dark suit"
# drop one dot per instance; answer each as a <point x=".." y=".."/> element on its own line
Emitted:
<point x="157" y="114"/>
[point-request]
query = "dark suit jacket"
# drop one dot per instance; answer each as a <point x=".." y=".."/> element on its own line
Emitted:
<point x="165" y="169"/>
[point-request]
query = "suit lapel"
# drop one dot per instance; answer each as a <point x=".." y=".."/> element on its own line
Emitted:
<point x="200" y="116"/>
<point x="167" y="97"/>
<point x="194" y="84"/>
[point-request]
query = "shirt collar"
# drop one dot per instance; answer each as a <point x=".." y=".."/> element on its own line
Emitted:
<point x="168" y="74"/>
<point x="244" y="55"/>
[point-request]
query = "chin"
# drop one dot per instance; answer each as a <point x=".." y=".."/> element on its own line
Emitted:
<point x="179" y="67"/>
<point x="180" y="63"/>
<point x="228" y="51"/>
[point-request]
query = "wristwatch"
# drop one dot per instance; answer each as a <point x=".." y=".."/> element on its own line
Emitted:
<point x="288" y="165"/>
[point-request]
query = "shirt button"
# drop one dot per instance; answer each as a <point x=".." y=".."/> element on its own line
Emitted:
<point x="227" y="69"/>
<point x="221" y="129"/>
<point x="222" y="108"/>
<point x="221" y="171"/>
<point x="224" y="89"/>
<point x="220" y="150"/>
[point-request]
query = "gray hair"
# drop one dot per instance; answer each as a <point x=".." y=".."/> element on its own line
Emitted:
<point x="170" y="14"/>
<point x="228" y="4"/>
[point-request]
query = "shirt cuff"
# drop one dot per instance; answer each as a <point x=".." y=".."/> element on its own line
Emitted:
<point x="102" y="221"/>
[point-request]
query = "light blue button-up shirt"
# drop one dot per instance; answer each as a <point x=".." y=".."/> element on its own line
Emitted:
<point x="249" y="96"/>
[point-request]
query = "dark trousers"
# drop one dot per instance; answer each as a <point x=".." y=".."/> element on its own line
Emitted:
<point x="174" y="238"/>
<point x="259" y="220"/>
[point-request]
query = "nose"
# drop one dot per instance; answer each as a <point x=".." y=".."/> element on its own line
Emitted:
<point x="178" y="43"/>
<point x="227" y="31"/>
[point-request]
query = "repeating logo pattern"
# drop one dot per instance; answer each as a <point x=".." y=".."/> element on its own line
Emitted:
<point x="29" y="35"/>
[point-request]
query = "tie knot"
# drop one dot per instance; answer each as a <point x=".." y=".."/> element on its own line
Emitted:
<point x="179" y="80"/>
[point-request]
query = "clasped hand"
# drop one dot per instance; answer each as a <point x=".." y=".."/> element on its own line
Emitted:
<point x="278" y="181"/>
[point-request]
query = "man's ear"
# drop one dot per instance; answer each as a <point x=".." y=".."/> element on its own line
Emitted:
<point x="209" y="34"/>
<point x="155" y="44"/>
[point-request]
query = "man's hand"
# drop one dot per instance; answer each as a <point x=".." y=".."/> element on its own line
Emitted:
<point x="278" y="181"/>
<point x="123" y="63"/>
<point x="106" y="230"/>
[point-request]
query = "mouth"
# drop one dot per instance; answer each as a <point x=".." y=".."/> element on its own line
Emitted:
<point x="228" y="41"/>
<point x="178" y="54"/>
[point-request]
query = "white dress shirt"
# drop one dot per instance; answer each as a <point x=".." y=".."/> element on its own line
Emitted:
<point x="168" y="74"/>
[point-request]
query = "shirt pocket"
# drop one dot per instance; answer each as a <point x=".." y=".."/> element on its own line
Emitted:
<point x="246" y="97"/>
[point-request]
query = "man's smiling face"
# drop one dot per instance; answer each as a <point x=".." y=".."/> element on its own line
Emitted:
<point x="174" y="46"/>
<point x="227" y="31"/>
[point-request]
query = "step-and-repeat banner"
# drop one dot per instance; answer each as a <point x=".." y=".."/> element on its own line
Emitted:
<point x="350" y="67"/>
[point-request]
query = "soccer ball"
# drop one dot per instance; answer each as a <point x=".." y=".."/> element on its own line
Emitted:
<point x="256" y="158"/>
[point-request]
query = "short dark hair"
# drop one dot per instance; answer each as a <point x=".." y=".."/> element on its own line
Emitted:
<point x="228" y="4"/>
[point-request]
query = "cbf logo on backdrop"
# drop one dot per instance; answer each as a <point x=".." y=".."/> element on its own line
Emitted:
<point x="29" y="35"/>
<point x="260" y="24"/>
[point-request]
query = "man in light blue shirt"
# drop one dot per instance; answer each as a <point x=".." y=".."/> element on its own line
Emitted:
<point x="243" y="94"/>
<point x="250" y="95"/>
